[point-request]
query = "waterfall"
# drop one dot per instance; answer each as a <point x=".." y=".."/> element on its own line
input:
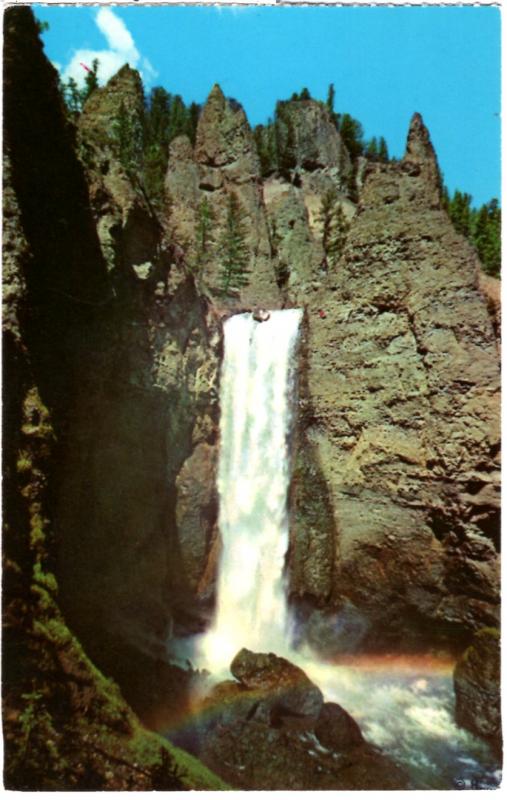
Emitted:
<point x="405" y="708"/>
<point x="253" y="479"/>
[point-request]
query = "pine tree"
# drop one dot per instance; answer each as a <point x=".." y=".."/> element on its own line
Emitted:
<point x="233" y="250"/>
<point x="284" y="141"/>
<point x="334" y="227"/>
<point x="372" y="151"/>
<point x="487" y="236"/>
<point x="203" y="236"/>
<point x="330" y="99"/>
<point x="460" y="212"/>
<point x="266" y="142"/>
<point x="42" y="25"/>
<point x="383" y="152"/>
<point x="305" y="94"/>
<point x="157" y="116"/>
<point x="72" y="96"/>
<point x="194" y="112"/>
<point x="351" y="132"/>
<point x="128" y="135"/>
<point x="91" y="81"/>
<point x="178" y="124"/>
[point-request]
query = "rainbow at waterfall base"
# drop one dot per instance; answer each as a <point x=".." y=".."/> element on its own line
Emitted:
<point x="404" y="704"/>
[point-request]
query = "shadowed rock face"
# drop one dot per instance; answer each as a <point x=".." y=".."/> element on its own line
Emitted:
<point x="143" y="422"/>
<point x="477" y="687"/>
<point x="66" y="726"/>
<point x="109" y="331"/>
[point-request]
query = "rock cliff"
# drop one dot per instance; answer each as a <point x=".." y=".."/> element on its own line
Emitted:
<point x="224" y="162"/>
<point x="401" y="411"/>
<point x="66" y="726"/>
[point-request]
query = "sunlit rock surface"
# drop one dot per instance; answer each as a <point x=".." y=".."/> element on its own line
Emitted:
<point x="400" y="408"/>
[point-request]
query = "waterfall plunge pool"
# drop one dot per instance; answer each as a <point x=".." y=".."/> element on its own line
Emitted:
<point x="407" y="710"/>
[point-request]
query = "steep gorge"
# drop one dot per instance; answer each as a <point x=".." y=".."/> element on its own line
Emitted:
<point x="112" y="353"/>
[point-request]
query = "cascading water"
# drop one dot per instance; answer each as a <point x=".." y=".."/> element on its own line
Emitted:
<point x="408" y="712"/>
<point x="253" y="481"/>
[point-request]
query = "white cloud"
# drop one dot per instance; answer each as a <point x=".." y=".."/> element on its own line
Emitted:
<point x="116" y="32"/>
<point x="122" y="50"/>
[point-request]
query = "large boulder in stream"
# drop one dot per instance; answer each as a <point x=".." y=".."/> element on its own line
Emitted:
<point x="271" y="730"/>
<point x="285" y="687"/>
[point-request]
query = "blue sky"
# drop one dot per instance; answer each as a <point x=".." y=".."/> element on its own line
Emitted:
<point x="385" y="64"/>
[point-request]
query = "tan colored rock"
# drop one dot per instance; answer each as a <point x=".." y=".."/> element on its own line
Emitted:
<point x="128" y="231"/>
<point x="224" y="138"/>
<point x="402" y="405"/>
<point x="224" y="162"/>
<point x="296" y="252"/>
<point x="317" y="143"/>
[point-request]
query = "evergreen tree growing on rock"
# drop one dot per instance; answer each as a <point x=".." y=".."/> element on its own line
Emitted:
<point x="128" y="136"/>
<point x="330" y="99"/>
<point x="383" y="151"/>
<point x="460" y="212"/>
<point x="487" y="236"/>
<point x="482" y="227"/>
<point x="351" y="132"/>
<point x="204" y="238"/>
<point x="165" y="118"/>
<point x="74" y="97"/>
<point x="334" y="227"/>
<point x="284" y="141"/>
<point x="233" y="250"/>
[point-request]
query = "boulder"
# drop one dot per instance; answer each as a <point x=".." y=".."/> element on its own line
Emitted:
<point x="336" y="730"/>
<point x="285" y="687"/>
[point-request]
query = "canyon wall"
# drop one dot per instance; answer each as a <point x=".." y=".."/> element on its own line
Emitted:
<point x="66" y="725"/>
<point x="395" y="496"/>
<point x="401" y="413"/>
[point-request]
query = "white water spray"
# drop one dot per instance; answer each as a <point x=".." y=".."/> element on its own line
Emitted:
<point x="253" y="480"/>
